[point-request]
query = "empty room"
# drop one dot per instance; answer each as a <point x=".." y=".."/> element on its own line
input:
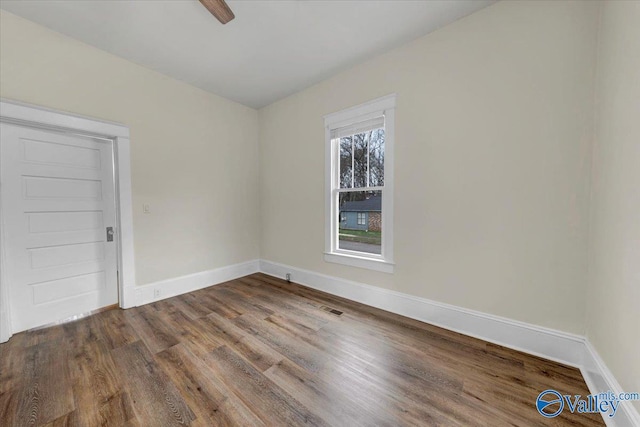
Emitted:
<point x="319" y="212"/>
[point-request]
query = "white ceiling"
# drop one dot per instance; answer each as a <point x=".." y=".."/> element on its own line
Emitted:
<point x="271" y="50"/>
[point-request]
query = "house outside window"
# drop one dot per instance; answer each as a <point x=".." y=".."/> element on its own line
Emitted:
<point x="359" y="191"/>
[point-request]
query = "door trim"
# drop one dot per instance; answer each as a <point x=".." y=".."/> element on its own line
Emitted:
<point x="44" y="118"/>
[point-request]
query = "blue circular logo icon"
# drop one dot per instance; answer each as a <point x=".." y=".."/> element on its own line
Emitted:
<point x="547" y="401"/>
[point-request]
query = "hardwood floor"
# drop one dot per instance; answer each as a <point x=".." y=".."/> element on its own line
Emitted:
<point x="259" y="351"/>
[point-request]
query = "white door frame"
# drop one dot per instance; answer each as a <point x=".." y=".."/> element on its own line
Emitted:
<point x="44" y="118"/>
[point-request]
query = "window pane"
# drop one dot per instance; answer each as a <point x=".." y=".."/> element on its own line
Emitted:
<point x="360" y="154"/>
<point x="362" y="159"/>
<point x="376" y="158"/>
<point x="360" y="226"/>
<point x="346" y="169"/>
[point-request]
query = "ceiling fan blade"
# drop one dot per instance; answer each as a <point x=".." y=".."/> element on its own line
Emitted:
<point x="219" y="9"/>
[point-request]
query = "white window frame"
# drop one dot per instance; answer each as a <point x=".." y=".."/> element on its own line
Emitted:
<point x="384" y="106"/>
<point x="364" y="218"/>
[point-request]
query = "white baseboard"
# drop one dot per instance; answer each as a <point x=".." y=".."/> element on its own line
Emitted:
<point x="599" y="378"/>
<point x="180" y="285"/>
<point x="5" y="331"/>
<point x="570" y="349"/>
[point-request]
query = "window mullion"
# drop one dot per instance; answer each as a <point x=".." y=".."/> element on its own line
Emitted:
<point x="358" y="189"/>
<point x="353" y="162"/>
<point x="367" y="154"/>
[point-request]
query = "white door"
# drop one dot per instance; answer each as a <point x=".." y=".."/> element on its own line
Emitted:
<point x="57" y="202"/>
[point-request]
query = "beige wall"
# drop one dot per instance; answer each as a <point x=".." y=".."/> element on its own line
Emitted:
<point x="194" y="154"/>
<point x="493" y="135"/>
<point x="613" y="313"/>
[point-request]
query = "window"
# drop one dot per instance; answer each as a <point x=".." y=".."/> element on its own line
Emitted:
<point x="359" y="190"/>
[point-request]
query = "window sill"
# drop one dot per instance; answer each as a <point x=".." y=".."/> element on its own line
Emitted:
<point x="361" y="262"/>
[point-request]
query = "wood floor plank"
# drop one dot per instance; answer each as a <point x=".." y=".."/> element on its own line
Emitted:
<point x="41" y="335"/>
<point x="212" y="402"/>
<point x="261" y="355"/>
<point x="260" y="351"/>
<point x="67" y="420"/>
<point x="272" y="404"/>
<point x="114" y="328"/>
<point x="155" y="399"/>
<point x="11" y="362"/>
<point x="239" y="287"/>
<point x="79" y="334"/>
<point x="156" y="333"/>
<point x="200" y="340"/>
<point x="117" y="410"/>
<point x="45" y="392"/>
<point x="241" y="304"/>
<point x="375" y="393"/>
<point x="282" y="299"/>
<point x="189" y="305"/>
<point x="309" y="316"/>
<point x="283" y="341"/>
<point x="211" y="302"/>
<point x="96" y="383"/>
<point x="318" y="393"/>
